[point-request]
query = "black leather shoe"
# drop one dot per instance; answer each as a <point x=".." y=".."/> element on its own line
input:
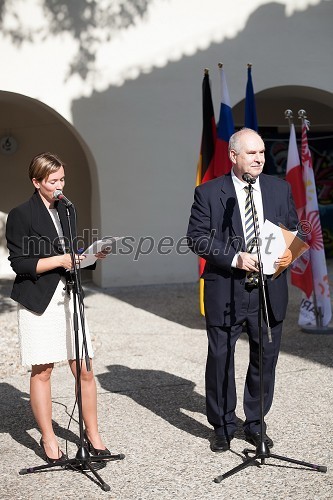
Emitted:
<point x="220" y="443"/>
<point x="53" y="460"/>
<point x="95" y="451"/>
<point x="254" y="438"/>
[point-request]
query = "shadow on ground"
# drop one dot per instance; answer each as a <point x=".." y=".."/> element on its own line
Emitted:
<point x="164" y="394"/>
<point x="17" y="419"/>
<point x="167" y="395"/>
<point x="179" y="303"/>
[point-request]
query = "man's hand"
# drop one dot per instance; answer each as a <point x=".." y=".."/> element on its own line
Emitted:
<point x="247" y="261"/>
<point x="285" y="259"/>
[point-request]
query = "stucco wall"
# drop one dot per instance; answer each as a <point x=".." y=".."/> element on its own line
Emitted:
<point x="144" y="133"/>
<point x="152" y="127"/>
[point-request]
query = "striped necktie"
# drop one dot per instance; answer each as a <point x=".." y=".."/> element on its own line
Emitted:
<point x="251" y="276"/>
<point x="249" y="223"/>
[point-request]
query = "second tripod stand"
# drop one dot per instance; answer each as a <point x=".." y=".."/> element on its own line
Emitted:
<point x="262" y="452"/>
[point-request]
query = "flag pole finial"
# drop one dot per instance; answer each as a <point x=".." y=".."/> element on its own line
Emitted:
<point x="288" y="114"/>
<point x="302" y="114"/>
<point x="220" y="65"/>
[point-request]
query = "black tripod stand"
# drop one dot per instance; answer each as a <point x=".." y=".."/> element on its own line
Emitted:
<point x="262" y="451"/>
<point x="83" y="461"/>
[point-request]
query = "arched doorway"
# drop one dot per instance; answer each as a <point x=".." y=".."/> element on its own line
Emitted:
<point x="32" y="127"/>
<point x="274" y="127"/>
<point x="271" y="104"/>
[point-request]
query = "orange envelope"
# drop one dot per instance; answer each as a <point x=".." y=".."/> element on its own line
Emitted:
<point x="295" y="245"/>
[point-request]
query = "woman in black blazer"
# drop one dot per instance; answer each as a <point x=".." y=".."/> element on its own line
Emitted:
<point x="37" y="234"/>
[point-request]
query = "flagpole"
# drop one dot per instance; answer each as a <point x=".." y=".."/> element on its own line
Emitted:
<point x="318" y="328"/>
<point x="318" y="313"/>
<point x="205" y="167"/>
<point x="288" y="114"/>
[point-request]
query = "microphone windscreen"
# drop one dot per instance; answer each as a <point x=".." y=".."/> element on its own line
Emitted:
<point x="248" y="178"/>
<point x="57" y="193"/>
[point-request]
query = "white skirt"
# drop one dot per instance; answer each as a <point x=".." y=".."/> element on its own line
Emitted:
<point x="49" y="337"/>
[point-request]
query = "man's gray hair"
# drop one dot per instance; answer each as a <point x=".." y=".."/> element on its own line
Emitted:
<point x="234" y="141"/>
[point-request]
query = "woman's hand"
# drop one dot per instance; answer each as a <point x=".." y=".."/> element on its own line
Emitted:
<point x="66" y="261"/>
<point x="103" y="253"/>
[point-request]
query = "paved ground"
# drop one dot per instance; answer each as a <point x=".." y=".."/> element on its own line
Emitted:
<point x="150" y="345"/>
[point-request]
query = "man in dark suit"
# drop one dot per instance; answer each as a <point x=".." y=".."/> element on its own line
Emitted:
<point x="217" y="233"/>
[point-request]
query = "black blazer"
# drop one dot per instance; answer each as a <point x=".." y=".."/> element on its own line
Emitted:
<point x="215" y="232"/>
<point x="31" y="235"/>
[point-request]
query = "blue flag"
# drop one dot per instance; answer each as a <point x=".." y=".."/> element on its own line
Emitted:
<point x="250" y="105"/>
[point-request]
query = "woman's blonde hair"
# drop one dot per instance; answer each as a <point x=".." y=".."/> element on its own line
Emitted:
<point x="44" y="164"/>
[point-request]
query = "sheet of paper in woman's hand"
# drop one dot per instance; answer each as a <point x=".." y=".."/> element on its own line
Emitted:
<point x="106" y="244"/>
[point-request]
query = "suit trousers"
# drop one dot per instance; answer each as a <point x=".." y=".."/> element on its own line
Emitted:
<point x="221" y="398"/>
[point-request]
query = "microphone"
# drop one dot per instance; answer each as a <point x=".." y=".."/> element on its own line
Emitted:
<point x="59" y="196"/>
<point x="248" y="178"/>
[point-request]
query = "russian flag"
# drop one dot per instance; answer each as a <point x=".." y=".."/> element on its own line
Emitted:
<point x="222" y="163"/>
<point x="250" y="105"/>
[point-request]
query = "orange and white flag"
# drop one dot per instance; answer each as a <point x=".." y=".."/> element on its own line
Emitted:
<point x="321" y="301"/>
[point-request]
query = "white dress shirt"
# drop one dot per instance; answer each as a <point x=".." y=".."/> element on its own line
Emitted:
<point x="241" y="198"/>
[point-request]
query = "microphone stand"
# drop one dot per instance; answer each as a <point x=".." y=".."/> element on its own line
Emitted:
<point x="262" y="451"/>
<point x="83" y="461"/>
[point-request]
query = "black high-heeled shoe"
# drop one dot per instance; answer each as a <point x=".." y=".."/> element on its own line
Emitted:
<point x="53" y="460"/>
<point x="95" y="451"/>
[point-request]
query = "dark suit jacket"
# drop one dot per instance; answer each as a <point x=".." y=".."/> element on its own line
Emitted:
<point x="215" y="232"/>
<point x="31" y="235"/>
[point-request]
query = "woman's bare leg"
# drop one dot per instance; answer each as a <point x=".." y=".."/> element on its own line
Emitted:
<point x="41" y="404"/>
<point x="89" y="403"/>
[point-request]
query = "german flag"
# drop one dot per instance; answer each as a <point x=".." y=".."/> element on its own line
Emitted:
<point x="205" y="169"/>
